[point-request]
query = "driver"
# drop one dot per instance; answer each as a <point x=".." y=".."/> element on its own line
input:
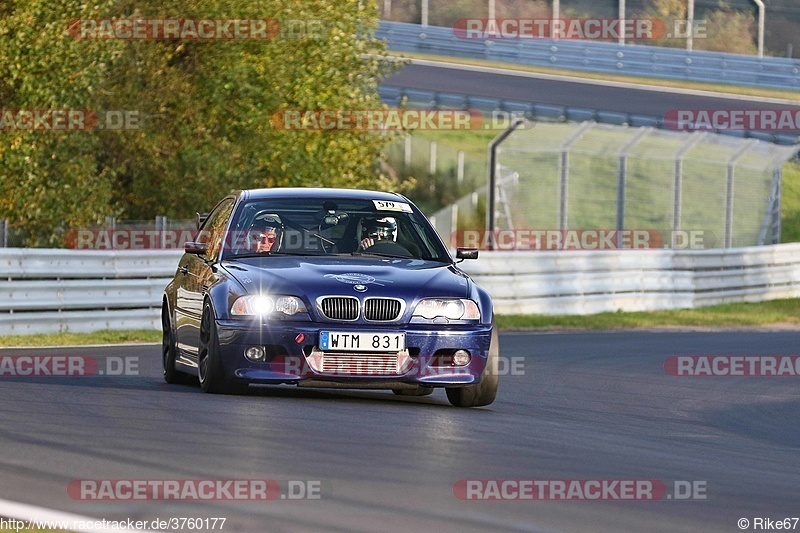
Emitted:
<point x="377" y="229"/>
<point x="268" y="233"/>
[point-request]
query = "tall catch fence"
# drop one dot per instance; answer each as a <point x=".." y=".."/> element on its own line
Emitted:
<point x="713" y="190"/>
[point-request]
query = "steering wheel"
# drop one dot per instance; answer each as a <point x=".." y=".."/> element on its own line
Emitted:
<point x="389" y="248"/>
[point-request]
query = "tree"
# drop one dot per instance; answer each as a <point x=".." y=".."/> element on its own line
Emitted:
<point x="204" y="107"/>
<point x="730" y="31"/>
<point x="50" y="178"/>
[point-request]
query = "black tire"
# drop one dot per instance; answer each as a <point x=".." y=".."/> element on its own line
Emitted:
<point x="485" y="391"/>
<point x="421" y="391"/>
<point x="209" y="360"/>
<point x="169" y="350"/>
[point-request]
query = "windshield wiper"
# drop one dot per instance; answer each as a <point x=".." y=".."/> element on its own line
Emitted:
<point x="378" y="254"/>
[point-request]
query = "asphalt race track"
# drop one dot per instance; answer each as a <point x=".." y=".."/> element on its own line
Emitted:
<point x="580" y="406"/>
<point x="563" y="92"/>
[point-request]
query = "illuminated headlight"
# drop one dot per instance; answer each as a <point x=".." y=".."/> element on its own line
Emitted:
<point x="259" y="304"/>
<point x="450" y="308"/>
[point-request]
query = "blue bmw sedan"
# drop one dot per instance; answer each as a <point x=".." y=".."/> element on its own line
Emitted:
<point x="327" y="288"/>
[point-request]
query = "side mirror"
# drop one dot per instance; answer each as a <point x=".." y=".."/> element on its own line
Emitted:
<point x="466" y="253"/>
<point x="198" y="248"/>
<point x="201" y="217"/>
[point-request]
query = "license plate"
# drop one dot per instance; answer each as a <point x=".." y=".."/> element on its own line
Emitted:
<point x="346" y="341"/>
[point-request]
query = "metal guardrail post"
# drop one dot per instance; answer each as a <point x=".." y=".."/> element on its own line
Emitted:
<point x="4" y="232"/>
<point x="490" y="208"/>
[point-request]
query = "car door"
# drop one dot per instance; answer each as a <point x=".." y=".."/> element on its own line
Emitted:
<point x="195" y="273"/>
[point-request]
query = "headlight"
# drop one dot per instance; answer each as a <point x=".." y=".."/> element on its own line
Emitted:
<point x="259" y="304"/>
<point x="449" y="308"/>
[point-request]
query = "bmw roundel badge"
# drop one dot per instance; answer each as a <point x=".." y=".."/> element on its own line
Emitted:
<point x="360" y="288"/>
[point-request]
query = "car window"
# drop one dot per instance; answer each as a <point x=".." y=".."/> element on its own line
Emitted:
<point x="322" y="226"/>
<point x="213" y="228"/>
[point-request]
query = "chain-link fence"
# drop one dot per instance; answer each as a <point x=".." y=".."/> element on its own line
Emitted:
<point x="444" y="170"/>
<point x="586" y="176"/>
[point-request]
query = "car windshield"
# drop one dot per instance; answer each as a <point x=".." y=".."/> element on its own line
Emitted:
<point x="323" y="226"/>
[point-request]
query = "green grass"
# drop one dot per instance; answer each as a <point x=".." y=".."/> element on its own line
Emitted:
<point x="790" y="203"/>
<point x="82" y="339"/>
<point x="775" y="312"/>
<point x="641" y="80"/>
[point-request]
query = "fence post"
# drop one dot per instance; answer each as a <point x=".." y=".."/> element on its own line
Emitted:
<point x="460" y="173"/>
<point x="161" y="228"/>
<point x="407" y="154"/>
<point x="773" y="209"/>
<point x="677" y="194"/>
<point x="623" y="171"/>
<point x="731" y="175"/>
<point x="454" y="225"/>
<point x="776" y="211"/>
<point x="492" y="181"/>
<point x="432" y="163"/>
<point x="563" y="172"/>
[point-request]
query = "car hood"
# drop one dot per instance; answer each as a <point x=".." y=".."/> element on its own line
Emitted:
<point x="409" y="279"/>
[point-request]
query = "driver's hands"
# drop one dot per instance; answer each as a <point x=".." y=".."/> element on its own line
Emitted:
<point x="366" y="243"/>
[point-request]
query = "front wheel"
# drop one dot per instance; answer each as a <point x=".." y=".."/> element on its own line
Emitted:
<point x="209" y="361"/>
<point x="484" y="392"/>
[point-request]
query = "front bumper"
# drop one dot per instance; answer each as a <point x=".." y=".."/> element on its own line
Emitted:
<point x="293" y="355"/>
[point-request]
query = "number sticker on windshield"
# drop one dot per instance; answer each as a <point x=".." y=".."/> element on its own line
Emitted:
<point x="385" y="205"/>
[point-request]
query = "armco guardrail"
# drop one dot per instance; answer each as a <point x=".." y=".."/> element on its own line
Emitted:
<point x="596" y="56"/>
<point x="45" y="291"/>
<point x="50" y="290"/>
<point x="586" y="282"/>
